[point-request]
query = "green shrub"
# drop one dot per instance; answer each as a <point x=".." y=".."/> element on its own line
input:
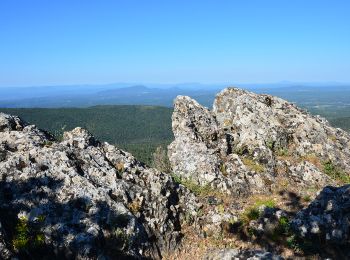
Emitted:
<point x="27" y="235"/>
<point x="253" y="212"/>
<point x="269" y="203"/>
<point x="21" y="239"/>
<point x="270" y="144"/>
<point x="335" y="173"/>
<point x="283" y="226"/>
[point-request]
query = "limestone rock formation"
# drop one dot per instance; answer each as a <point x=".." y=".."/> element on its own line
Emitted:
<point x="327" y="218"/>
<point x="249" y="142"/>
<point x="83" y="199"/>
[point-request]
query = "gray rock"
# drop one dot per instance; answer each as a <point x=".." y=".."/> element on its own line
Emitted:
<point x="212" y="147"/>
<point x="236" y="254"/>
<point x="327" y="218"/>
<point x="5" y="252"/>
<point x="83" y="198"/>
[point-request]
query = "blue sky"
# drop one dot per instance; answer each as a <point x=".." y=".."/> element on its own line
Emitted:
<point x="52" y="42"/>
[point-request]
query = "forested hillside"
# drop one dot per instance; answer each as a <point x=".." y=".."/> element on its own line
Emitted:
<point x="137" y="129"/>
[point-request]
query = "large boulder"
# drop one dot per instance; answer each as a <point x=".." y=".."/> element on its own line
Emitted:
<point x="193" y="154"/>
<point x="247" y="135"/>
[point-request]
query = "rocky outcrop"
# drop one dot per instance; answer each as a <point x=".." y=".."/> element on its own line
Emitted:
<point x="82" y="198"/>
<point x="327" y="219"/>
<point x="78" y="198"/>
<point x="248" y="140"/>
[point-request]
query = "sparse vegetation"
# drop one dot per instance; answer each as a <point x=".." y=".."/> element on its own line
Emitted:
<point x="307" y="198"/>
<point x="253" y="165"/>
<point x="335" y="172"/>
<point x="160" y="159"/>
<point x="270" y="144"/>
<point x="48" y="143"/>
<point x="253" y="212"/>
<point x="121" y="239"/>
<point x="333" y="138"/>
<point x="312" y="158"/>
<point x="120" y="167"/>
<point x="283" y="226"/>
<point x="269" y="203"/>
<point x="282" y="152"/>
<point x="221" y="208"/>
<point x="135" y="206"/>
<point x="27" y="235"/>
<point x="241" y="150"/>
<point x="223" y="169"/>
<point x="198" y="190"/>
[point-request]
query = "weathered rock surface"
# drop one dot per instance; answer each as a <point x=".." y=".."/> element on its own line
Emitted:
<point x="327" y="218"/>
<point x="248" y="139"/>
<point x="230" y="254"/>
<point x="83" y="199"/>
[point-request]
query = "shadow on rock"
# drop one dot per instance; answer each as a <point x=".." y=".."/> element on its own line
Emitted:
<point x="35" y="225"/>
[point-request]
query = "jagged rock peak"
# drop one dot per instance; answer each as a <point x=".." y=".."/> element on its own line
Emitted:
<point x="246" y="133"/>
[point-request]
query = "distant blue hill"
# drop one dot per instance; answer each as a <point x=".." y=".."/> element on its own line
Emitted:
<point x="304" y="94"/>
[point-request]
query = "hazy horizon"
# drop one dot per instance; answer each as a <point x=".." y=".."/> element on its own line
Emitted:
<point x="174" y="84"/>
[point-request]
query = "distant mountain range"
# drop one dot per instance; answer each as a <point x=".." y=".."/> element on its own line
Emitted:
<point x="305" y="94"/>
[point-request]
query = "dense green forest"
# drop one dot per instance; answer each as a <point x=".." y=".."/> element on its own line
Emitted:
<point x="136" y="129"/>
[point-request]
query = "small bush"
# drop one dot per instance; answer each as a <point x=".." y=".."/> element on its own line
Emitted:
<point x="27" y="235"/>
<point x="21" y="239"/>
<point x="253" y="214"/>
<point x="283" y="226"/>
<point x="300" y="245"/>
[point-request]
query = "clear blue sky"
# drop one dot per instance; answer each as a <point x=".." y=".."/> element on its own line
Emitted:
<point x="44" y="42"/>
